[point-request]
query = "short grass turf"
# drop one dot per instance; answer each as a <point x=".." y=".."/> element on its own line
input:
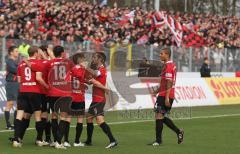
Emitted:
<point x="208" y="130"/>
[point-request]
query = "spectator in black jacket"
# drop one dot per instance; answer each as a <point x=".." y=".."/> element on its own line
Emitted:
<point x="143" y="68"/>
<point x="205" y="70"/>
<point x="11" y="83"/>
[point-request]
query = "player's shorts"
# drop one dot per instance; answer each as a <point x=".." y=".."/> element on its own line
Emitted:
<point x="57" y="104"/>
<point x="96" y="108"/>
<point x="29" y="102"/>
<point x="12" y="90"/>
<point x="45" y="104"/>
<point x="77" y="109"/>
<point x="160" y="106"/>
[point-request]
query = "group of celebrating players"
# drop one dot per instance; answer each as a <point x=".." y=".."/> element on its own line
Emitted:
<point x="52" y="83"/>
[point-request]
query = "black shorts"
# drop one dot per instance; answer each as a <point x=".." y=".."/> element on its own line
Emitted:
<point x="77" y="109"/>
<point x="160" y="106"/>
<point x="12" y="89"/>
<point x="29" y="102"/>
<point x="45" y="104"/>
<point x="96" y="108"/>
<point x="59" y="104"/>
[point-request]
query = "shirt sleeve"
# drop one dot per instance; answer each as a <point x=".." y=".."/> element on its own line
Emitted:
<point x="36" y="67"/>
<point x="101" y="72"/>
<point x="98" y="72"/>
<point x="169" y="72"/>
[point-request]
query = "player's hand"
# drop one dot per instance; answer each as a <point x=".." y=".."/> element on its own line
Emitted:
<point x="42" y="53"/>
<point x="107" y="91"/>
<point x="50" y="52"/>
<point x="84" y="64"/>
<point x="167" y="103"/>
<point x="153" y="92"/>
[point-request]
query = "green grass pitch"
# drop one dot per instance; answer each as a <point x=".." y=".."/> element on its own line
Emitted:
<point x="208" y="130"/>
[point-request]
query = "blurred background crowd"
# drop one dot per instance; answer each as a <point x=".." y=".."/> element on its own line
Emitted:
<point x="88" y="23"/>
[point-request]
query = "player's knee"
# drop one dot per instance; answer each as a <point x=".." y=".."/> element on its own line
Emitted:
<point x="90" y="120"/>
<point x="44" y="115"/>
<point x="80" y="119"/>
<point x="63" y="115"/>
<point x="20" y="114"/>
<point x="54" y="115"/>
<point x="100" y="120"/>
<point x="9" y="106"/>
<point x="27" y="115"/>
<point x="37" y="115"/>
<point x="69" y="119"/>
<point x="159" y="116"/>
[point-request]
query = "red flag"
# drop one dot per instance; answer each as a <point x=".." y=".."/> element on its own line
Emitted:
<point x="175" y="27"/>
<point x="192" y="39"/>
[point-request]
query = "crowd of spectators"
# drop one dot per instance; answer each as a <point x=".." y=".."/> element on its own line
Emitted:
<point x="80" y="21"/>
<point x="55" y="21"/>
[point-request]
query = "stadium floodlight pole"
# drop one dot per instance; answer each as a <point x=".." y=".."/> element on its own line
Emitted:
<point x="157" y="5"/>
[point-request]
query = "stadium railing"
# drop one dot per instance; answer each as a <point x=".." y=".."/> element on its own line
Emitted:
<point x="129" y="56"/>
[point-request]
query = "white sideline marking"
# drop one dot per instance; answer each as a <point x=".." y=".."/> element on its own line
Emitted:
<point x="139" y="121"/>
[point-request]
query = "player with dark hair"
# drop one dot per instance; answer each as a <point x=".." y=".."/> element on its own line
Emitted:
<point x="79" y="77"/>
<point x="78" y="95"/>
<point x="30" y="97"/>
<point x="96" y="108"/>
<point x="76" y="78"/>
<point x="43" y="58"/>
<point x="12" y="85"/>
<point x="165" y="98"/>
<point x="57" y="70"/>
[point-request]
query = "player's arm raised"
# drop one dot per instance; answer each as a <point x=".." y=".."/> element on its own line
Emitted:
<point x="94" y="73"/>
<point x="42" y="54"/>
<point x="50" y="53"/>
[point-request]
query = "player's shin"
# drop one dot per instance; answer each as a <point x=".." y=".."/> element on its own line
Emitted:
<point x="79" y="129"/>
<point x="90" y="128"/>
<point x="61" y="131"/>
<point x="25" y="125"/>
<point x="54" y="129"/>
<point x="7" y="117"/>
<point x="159" y="129"/>
<point x="66" y="133"/>
<point x="167" y="121"/>
<point x="106" y="129"/>
<point x="19" y="125"/>
<point x="39" y="125"/>
<point x="48" y="131"/>
<point x="14" y="117"/>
